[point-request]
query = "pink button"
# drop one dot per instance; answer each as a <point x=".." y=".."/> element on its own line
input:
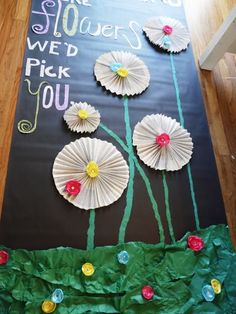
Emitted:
<point x="163" y="139"/>
<point x="167" y="29"/>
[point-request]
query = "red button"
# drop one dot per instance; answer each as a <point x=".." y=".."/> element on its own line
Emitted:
<point x="73" y="187"/>
<point x="4" y="257"/>
<point x="147" y="292"/>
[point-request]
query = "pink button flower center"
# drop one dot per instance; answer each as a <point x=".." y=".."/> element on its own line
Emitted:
<point x="163" y="139"/>
<point x="167" y="29"/>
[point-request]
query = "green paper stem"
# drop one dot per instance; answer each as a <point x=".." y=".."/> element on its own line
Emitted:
<point x="130" y="190"/>
<point x="91" y="230"/>
<point x="181" y="117"/>
<point x="26" y="126"/>
<point x="152" y="199"/>
<point x="145" y="179"/>
<point x="167" y="203"/>
<point x="115" y="136"/>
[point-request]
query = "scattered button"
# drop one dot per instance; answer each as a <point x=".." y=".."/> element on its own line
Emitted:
<point x="217" y="241"/>
<point x="195" y="243"/>
<point x="57" y="296"/>
<point x="48" y="306"/>
<point x="147" y="292"/>
<point x="123" y="257"/>
<point x="216" y="286"/>
<point x="4" y="257"/>
<point x="88" y="269"/>
<point x="208" y="293"/>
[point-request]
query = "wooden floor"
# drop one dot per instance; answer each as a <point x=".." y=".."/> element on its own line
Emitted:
<point x="218" y="86"/>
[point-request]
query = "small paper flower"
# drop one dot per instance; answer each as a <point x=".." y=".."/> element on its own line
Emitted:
<point x="90" y="173"/>
<point x="123" y="257"/>
<point x="73" y="187"/>
<point x="147" y="292"/>
<point x="48" y="306"/>
<point x="195" y="243"/>
<point x="216" y="286"/>
<point x="82" y="117"/>
<point x="167" y="33"/>
<point x="4" y="257"/>
<point x="162" y="143"/>
<point x="57" y="296"/>
<point x="208" y="293"/>
<point x="122" y="73"/>
<point x="88" y="269"/>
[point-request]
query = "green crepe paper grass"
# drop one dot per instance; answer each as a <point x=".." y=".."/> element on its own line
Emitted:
<point x="176" y="273"/>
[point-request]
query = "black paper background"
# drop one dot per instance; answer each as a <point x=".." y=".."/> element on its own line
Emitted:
<point x="35" y="216"/>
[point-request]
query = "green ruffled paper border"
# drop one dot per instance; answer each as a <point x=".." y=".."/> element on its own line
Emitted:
<point x="176" y="273"/>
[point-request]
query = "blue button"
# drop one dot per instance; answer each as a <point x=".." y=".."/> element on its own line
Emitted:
<point x="208" y="293"/>
<point x="166" y="41"/>
<point x="115" y="66"/>
<point x="57" y="296"/>
<point x="217" y="242"/>
<point x="123" y="257"/>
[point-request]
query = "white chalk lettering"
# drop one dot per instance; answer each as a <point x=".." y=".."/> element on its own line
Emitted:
<point x="45" y="70"/>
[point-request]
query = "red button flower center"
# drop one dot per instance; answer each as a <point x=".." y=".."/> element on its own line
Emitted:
<point x="4" y="257"/>
<point x="73" y="187"/>
<point x="167" y="29"/>
<point x="163" y="139"/>
<point x="147" y="292"/>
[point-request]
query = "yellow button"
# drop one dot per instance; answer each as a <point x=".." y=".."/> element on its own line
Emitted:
<point x="216" y="286"/>
<point x="48" y="306"/>
<point x="92" y="169"/>
<point x="123" y="72"/>
<point x="88" y="269"/>
<point x="83" y="114"/>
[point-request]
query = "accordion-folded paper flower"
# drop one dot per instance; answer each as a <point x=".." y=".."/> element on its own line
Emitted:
<point x="169" y="34"/>
<point x="98" y="166"/>
<point x="162" y="143"/>
<point x="82" y="117"/>
<point x="122" y="73"/>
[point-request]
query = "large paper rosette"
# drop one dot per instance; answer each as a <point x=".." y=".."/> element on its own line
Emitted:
<point x="82" y="117"/>
<point x="167" y="33"/>
<point x="90" y="173"/>
<point x="122" y="73"/>
<point x="162" y="143"/>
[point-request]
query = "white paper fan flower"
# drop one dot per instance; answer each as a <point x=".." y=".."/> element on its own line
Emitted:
<point x="90" y="173"/>
<point x="82" y="117"/>
<point x="122" y="73"/>
<point x="162" y="143"/>
<point x="167" y="33"/>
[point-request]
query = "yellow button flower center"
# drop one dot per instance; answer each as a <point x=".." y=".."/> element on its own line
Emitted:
<point x="83" y="114"/>
<point x="122" y="72"/>
<point x="88" y="269"/>
<point x="92" y="169"/>
<point x="48" y="306"/>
